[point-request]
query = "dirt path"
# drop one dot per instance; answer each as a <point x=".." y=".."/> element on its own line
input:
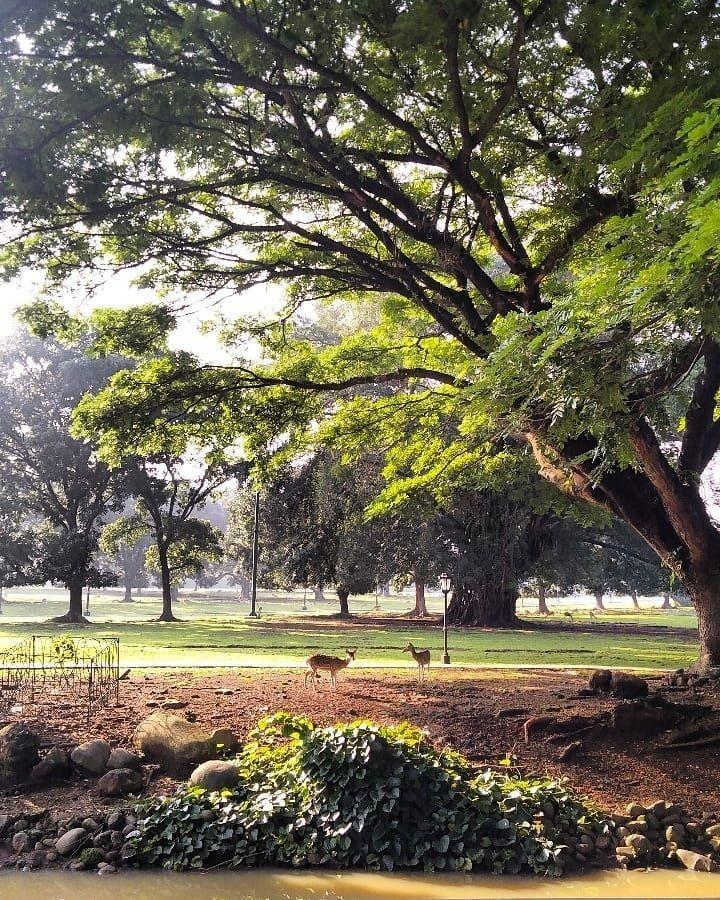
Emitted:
<point x="457" y="708"/>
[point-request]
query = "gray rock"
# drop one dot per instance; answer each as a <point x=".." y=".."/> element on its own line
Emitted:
<point x="71" y="841"/>
<point x="173" y="742"/>
<point x="106" y="869"/>
<point x="695" y="861"/>
<point x="215" y="775"/>
<point x="634" y="810"/>
<point x="89" y="824"/>
<point x="119" y="783"/>
<point x="116" y="819"/>
<point x="675" y="833"/>
<point x="603" y="841"/>
<point x="54" y="766"/>
<point x="639" y="843"/>
<point x="21" y="842"/>
<point x="92" y="756"/>
<point x="18" y="751"/>
<point x="171" y="703"/>
<point x="124" y="759"/>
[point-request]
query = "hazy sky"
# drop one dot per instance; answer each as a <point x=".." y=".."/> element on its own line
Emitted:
<point x="119" y="291"/>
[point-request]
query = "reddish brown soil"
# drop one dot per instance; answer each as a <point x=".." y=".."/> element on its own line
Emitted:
<point x="458" y="709"/>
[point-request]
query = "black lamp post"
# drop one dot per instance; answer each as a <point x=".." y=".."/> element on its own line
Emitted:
<point x="445" y="587"/>
<point x="256" y="535"/>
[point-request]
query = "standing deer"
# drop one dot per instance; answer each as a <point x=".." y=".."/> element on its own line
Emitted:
<point x="421" y="657"/>
<point x="318" y="662"/>
<point x="568" y="615"/>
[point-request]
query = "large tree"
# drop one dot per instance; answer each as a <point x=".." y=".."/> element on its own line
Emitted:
<point x="61" y="491"/>
<point x="529" y="190"/>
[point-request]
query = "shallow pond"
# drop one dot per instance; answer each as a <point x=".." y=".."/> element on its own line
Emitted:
<point x="282" y="885"/>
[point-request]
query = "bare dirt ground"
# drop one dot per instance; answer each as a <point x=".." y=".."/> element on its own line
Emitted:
<point x="459" y="709"/>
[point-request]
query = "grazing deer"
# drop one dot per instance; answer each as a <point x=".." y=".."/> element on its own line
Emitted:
<point x="569" y="615"/>
<point x="318" y="662"/>
<point x="592" y="615"/>
<point x="421" y="657"/>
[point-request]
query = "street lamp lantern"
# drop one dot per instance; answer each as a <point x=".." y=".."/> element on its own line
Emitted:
<point x="445" y="587"/>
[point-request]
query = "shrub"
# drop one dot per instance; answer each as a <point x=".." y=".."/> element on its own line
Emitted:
<point x="360" y="795"/>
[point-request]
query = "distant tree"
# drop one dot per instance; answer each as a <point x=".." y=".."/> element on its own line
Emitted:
<point x="600" y="559"/>
<point x="313" y="528"/>
<point x="128" y="555"/>
<point x="63" y="491"/>
<point x="16" y="554"/>
<point x="169" y="491"/>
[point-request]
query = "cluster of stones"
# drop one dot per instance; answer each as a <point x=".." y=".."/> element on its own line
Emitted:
<point x="119" y="771"/>
<point x="99" y="842"/>
<point x="585" y="845"/>
<point x="664" y="833"/>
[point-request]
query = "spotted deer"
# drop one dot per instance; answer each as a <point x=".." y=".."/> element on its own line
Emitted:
<point x="318" y="662"/>
<point x="421" y="657"/>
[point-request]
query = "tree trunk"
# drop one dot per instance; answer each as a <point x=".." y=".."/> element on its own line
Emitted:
<point x="599" y="605"/>
<point x="542" y="601"/>
<point x="127" y="595"/>
<point x="666" y="602"/>
<point x="420" y="609"/>
<point x="74" y="615"/>
<point x="138" y="592"/>
<point x="705" y="592"/>
<point x="384" y="589"/>
<point x="343" y="598"/>
<point x="483" y="606"/>
<point x="634" y="598"/>
<point x="318" y="593"/>
<point x="167" y="610"/>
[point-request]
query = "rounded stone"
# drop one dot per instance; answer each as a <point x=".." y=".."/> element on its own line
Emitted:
<point x="71" y="841"/>
<point x="634" y="810"/>
<point x="119" y="783"/>
<point x="675" y="833"/>
<point x="124" y="759"/>
<point x="21" y="841"/>
<point x="215" y="775"/>
<point x="639" y="843"/>
<point x="91" y="756"/>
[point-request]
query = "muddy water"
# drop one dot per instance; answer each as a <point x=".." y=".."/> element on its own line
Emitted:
<point x="274" y="885"/>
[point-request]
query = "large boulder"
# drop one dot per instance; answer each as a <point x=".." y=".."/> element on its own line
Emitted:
<point x="215" y="775"/>
<point x="173" y="742"/>
<point x="124" y="759"/>
<point x="54" y="766"/>
<point x="18" y="752"/>
<point x="119" y="783"/>
<point x="92" y="756"/>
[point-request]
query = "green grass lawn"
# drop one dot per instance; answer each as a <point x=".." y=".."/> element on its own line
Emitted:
<point x="217" y="632"/>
